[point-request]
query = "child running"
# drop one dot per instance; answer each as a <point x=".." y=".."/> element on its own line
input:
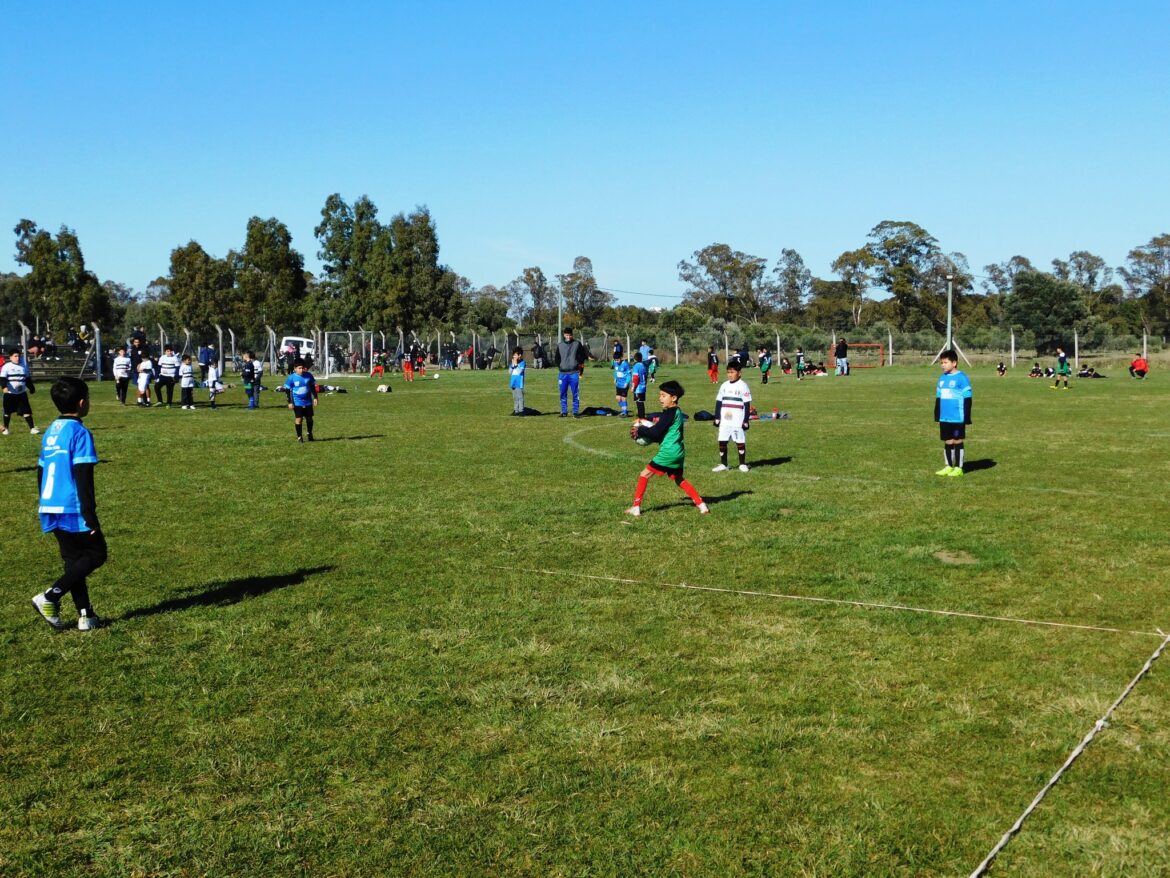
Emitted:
<point x="732" y="408"/>
<point x="952" y="410"/>
<point x="671" y="456"/>
<point x="68" y="507"/>
<point x="302" y="398"/>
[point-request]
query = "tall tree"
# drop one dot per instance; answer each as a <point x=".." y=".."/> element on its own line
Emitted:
<point x="15" y="306"/>
<point x="793" y="283"/>
<point x="531" y="298"/>
<point x="202" y="288"/>
<point x="999" y="275"/>
<point x="421" y="292"/>
<point x="728" y="283"/>
<point x="270" y="279"/>
<point x="912" y="267"/>
<point x="1147" y="278"/>
<point x="584" y="301"/>
<point x="58" y="285"/>
<point x="1047" y="307"/>
<point x="855" y="268"/>
<point x="1089" y="272"/>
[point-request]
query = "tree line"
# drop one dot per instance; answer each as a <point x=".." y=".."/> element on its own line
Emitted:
<point x="388" y="275"/>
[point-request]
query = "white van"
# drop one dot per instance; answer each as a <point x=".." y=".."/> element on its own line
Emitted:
<point x="306" y="347"/>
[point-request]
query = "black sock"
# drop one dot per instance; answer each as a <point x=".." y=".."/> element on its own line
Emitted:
<point x="742" y="449"/>
<point x="309" y="422"/>
<point x="723" y="453"/>
<point x="297" y="424"/>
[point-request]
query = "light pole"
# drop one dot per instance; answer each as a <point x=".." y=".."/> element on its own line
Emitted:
<point x="950" y="297"/>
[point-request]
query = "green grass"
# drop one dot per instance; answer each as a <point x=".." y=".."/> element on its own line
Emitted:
<point x="339" y="659"/>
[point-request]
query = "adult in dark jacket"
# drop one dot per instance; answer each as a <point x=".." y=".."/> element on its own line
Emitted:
<point x="570" y="357"/>
<point x="841" y="355"/>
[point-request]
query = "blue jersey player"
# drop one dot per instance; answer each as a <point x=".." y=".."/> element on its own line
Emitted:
<point x="302" y="397"/>
<point x="638" y="381"/>
<point x="68" y="507"/>
<point x="621" y="384"/>
<point x="952" y="410"/>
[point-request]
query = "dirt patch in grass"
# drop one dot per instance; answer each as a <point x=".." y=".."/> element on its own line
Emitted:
<point x="956" y="557"/>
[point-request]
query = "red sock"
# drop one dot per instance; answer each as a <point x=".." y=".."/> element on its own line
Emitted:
<point x="690" y="491"/>
<point x="639" y="491"/>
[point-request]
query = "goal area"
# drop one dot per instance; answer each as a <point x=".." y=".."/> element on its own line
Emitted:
<point x="862" y="355"/>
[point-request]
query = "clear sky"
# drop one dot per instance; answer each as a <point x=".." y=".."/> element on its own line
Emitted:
<point x="632" y="133"/>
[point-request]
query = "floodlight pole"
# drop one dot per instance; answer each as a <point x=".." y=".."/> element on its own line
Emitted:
<point x="560" y="313"/>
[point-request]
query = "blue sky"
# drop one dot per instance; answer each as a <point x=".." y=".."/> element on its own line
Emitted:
<point x="631" y="133"/>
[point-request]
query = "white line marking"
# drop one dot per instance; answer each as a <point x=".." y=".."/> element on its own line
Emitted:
<point x="838" y="601"/>
<point x="571" y="439"/>
<point x="1097" y="727"/>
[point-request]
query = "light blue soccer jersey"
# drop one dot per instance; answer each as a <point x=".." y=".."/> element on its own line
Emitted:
<point x="640" y="371"/>
<point x="621" y="374"/>
<point x="67" y="442"/>
<point x="301" y="388"/>
<point x="951" y="391"/>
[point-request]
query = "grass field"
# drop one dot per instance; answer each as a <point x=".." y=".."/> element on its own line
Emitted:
<point x="432" y="644"/>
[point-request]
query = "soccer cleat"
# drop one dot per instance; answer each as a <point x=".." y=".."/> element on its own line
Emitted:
<point x="301" y="439"/>
<point x="564" y="415"/>
<point x="311" y="439"/>
<point x="48" y="611"/>
<point x="4" y="432"/>
<point x="1054" y="387"/>
<point x="945" y="471"/>
<point x="743" y="468"/>
<point x="634" y="511"/>
<point x="1065" y="387"/>
<point x="87" y="620"/>
<point x="33" y="431"/>
<point x="722" y="468"/>
<point x="703" y="510"/>
<point x="955" y="471"/>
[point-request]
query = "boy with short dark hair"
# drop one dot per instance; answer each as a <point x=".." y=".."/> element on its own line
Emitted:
<point x="952" y="410"/>
<point x="638" y="382"/>
<point x="68" y="507"/>
<point x="622" y="375"/>
<point x="186" y="384"/>
<point x="732" y="416"/>
<point x="765" y="360"/>
<point x="712" y="364"/>
<point x="302" y="398"/>
<point x="121" y="366"/>
<point x="17" y="385"/>
<point x="168" y="374"/>
<point x="250" y="375"/>
<point x="801" y="366"/>
<point x="516" y="381"/>
<point x="1063" y="369"/>
<point x="668" y="431"/>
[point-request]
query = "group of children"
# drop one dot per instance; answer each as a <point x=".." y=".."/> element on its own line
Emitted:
<point x="163" y="374"/>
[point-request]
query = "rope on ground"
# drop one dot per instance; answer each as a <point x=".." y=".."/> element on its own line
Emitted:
<point x="982" y="868"/>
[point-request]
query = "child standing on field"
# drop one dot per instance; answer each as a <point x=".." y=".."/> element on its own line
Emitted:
<point x="732" y="409"/>
<point x="187" y="384"/>
<point x="638" y="383"/>
<point x="213" y="383"/>
<point x="145" y="373"/>
<point x="1063" y="369"/>
<point x="800" y="364"/>
<point x="671" y="456"/>
<point x="712" y="364"/>
<point x="68" y="507"/>
<point x="121" y="366"/>
<point x="302" y="398"/>
<point x="952" y="410"/>
<point x="516" y="381"/>
<point x="765" y="365"/>
<point x="622" y="375"/>
<point x="16" y="384"/>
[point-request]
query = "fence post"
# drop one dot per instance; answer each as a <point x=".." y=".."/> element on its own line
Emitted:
<point x="675" y="348"/>
<point x="1076" y="351"/>
<point x="726" y="349"/>
<point x="1144" y="338"/>
<point x="219" y="349"/>
<point x="1013" y="348"/>
<point x="232" y="333"/>
<point x="97" y="349"/>
<point x="891" y="355"/>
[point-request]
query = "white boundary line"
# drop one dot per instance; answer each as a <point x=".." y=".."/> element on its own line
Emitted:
<point x="982" y="868"/>
<point x="869" y="605"/>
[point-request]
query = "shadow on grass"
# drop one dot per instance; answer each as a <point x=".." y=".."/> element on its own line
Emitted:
<point x="973" y="466"/>
<point x="351" y="438"/>
<point x="226" y="593"/>
<point x="19" y="469"/>
<point x="710" y="501"/>
<point x="771" y="461"/>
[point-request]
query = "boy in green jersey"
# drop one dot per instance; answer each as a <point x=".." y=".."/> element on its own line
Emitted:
<point x="667" y="430"/>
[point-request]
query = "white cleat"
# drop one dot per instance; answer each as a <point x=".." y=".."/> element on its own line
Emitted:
<point x="48" y="611"/>
<point x="34" y="431"/>
<point x="634" y="511"/>
<point x="743" y="468"/>
<point x="703" y="509"/>
<point x="88" y="622"/>
<point x="722" y="468"/>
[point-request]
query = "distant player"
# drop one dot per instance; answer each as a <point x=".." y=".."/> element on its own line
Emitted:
<point x="671" y="456"/>
<point x="214" y="384"/>
<point x="302" y="398"/>
<point x="121" y="366"/>
<point x="16" y="385"/>
<point x="732" y="407"/>
<point x="1063" y="369"/>
<point x="68" y="507"/>
<point x="250" y="375"/>
<point x="952" y="410"/>
<point x="765" y="360"/>
<point x="638" y="382"/>
<point x="801" y="367"/>
<point x="516" y="381"/>
<point x="168" y="374"/>
<point x="186" y="384"/>
<point x="1139" y="368"/>
<point x="622" y="374"/>
<point x="712" y="364"/>
<point x="145" y="370"/>
<point x="652" y="366"/>
<point x="1001" y="369"/>
<point x="408" y="367"/>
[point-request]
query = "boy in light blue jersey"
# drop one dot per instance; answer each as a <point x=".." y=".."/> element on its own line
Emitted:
<point x="621" y="383"/>
<point x="68" y="507"/>
<point x="638" y="380"/>
<point x="952" y="410"/>
<point x="516" y="381"/>
<point x="302" y="398"/>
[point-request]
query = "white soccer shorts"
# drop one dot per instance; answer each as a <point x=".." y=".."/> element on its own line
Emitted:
<point x="729" y="432"/>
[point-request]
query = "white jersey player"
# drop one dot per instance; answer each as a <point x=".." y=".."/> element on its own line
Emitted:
<point x="732" y="416"/>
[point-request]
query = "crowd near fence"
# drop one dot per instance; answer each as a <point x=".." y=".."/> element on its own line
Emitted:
<point x="359" y="350"/>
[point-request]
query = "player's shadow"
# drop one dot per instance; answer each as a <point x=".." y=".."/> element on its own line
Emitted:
<point x="227" y="593"/>
<point x="710" y="501"/>
<point x="973" y="466"/>
<point x="351" y="438"/>
<point x="19" y="469"/>
<point x="771" y="461"/>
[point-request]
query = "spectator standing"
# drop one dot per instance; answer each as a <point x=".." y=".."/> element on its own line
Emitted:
<point x="841" y="355"/>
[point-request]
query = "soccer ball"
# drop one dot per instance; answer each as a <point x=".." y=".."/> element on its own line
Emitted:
<point x="436" y="376"/>
<point x="642" y="441"/>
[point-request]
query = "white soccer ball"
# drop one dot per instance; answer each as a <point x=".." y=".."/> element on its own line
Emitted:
<point x="436" y="376"/>
<point x="642" y="441"/>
